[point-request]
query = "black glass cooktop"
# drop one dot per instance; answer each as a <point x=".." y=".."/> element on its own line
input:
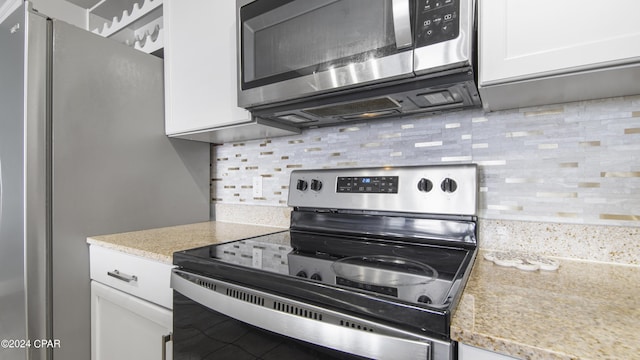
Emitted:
<point x="271" y="253"/>
<point x="374" y="277"/>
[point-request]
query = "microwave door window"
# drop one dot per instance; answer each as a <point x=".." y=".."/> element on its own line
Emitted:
<point x="307" y="37"/>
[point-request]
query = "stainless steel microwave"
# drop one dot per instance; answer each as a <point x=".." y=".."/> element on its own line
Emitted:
<point x="320" y="62"/>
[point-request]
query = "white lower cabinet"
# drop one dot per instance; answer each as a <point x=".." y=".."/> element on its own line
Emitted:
<point x="466" y="352"/>
<point x="126" y="326"/>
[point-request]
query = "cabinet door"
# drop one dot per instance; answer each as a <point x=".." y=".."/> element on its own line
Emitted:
<point x="126" y="327"/>
<point x="524" y="39"/>
<point x="200" y="66"/>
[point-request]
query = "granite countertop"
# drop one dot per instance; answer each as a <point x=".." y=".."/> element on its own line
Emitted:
<point x="584" y="310"/>
<point x="160" y="244"/>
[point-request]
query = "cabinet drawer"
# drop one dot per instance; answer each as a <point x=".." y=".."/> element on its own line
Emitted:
<point x="144" y="278"/>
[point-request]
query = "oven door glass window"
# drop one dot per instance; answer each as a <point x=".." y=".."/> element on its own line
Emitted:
<point x="289" y="39"/>
<point x="202" y="333"/>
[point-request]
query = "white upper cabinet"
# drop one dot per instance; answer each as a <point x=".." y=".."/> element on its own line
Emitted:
<point x="523" y="39"/>
<point x="554" y="51"/>
<point x="200" y="65"/>
<point x="201" y="76"/>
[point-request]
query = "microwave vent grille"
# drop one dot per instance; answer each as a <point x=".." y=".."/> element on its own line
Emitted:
<point x="356" y="107"/>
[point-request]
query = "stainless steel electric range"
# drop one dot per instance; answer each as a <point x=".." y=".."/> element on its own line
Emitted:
<point x="372" y="266"/>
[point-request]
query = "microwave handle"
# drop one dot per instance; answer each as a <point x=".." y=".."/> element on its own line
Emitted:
<point x="402" y="23"/>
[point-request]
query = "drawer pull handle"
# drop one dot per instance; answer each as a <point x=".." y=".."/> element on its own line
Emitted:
<point x="165" y="340"/>
<point x="124" y="277"/>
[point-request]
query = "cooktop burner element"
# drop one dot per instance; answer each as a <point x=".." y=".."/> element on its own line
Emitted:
<point x="390" y="245"/>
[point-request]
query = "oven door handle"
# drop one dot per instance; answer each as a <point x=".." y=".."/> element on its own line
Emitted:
<point x="257" y="308"/>
<point x="402" y="23"/>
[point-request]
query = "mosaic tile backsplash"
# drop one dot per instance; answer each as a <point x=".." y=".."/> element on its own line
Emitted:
<point x="570" y="163"/>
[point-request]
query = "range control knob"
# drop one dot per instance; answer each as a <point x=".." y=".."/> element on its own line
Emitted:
<point x="316" y="276"/>
<point x="449" y="185"/>
<point x="302" y="185"/>
<point x="424" y="299"/>
<point x="302" y="274"/>
<point x="316" y="185"/>
<point x="425" y="185"/>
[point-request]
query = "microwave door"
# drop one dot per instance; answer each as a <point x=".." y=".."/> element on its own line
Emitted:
<point x="296" y="49"/>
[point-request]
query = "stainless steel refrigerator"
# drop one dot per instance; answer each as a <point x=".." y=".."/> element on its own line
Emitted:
<point x="82" y="152"/>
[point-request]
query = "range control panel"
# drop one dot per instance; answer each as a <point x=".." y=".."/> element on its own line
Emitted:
<point x="437" y="21"/>
<point x="368" y="184"/>
<point x="437" y="189"/>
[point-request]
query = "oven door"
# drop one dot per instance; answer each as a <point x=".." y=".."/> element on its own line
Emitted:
<point x="296" y="48"/>
<point x="215" y="319"/>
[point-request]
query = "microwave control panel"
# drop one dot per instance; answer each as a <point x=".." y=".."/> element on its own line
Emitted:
<point x="437" y="21"/>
